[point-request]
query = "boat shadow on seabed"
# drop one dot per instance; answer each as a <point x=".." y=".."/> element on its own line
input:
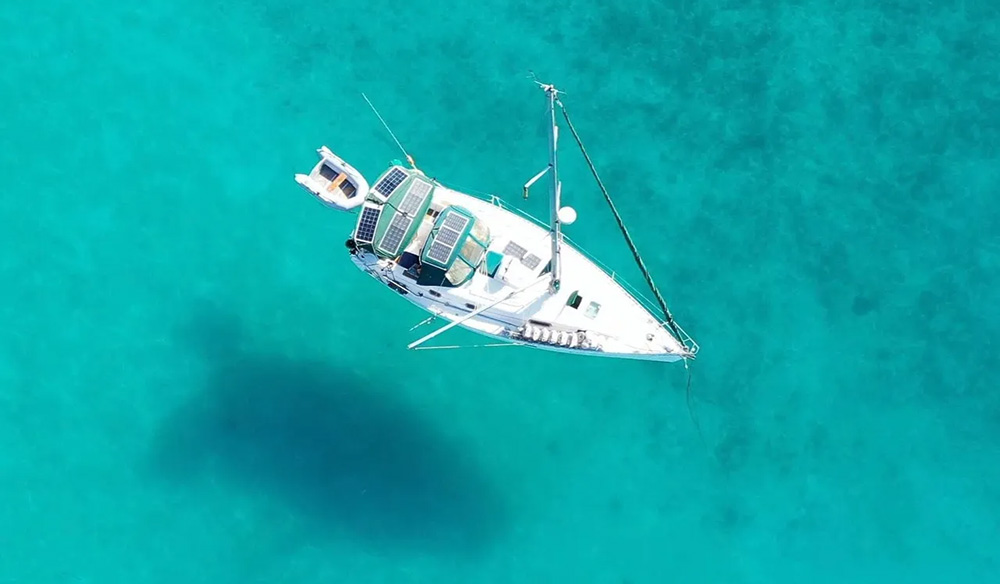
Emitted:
<point x="347" y="460"/>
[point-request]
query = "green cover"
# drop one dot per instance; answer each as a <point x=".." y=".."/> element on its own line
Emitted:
<point x="392" y="214"/>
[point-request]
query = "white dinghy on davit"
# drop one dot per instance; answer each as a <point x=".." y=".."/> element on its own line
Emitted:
<point x="484" y="265"/>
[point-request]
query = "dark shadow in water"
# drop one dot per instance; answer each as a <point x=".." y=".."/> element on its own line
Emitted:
<point x="349" y="461"/>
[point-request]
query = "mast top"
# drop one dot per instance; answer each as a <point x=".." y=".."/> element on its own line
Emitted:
<point x="546" y="87"/>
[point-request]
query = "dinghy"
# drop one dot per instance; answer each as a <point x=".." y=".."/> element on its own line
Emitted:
<point x="335" y="182"/>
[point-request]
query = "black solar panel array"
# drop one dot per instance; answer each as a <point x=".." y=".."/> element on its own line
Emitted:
<point x="389" y="183"/>
<point x="366" y="226"/>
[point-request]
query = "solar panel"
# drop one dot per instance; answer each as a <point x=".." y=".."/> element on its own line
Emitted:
<point x="447" y="236"/>
<point x="515" y="250"/>
<point x="531" y="261"/>
<point x="389" y="183"/>
<point x="409" y="205"/>
<point x="366" y="225"/>
<point x="439" y="252"/>
<point x="415" y="196"/>
<point x="394" y="234"/>
<point x="456" y="221"/>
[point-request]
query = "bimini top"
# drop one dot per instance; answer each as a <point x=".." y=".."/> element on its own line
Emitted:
<point x="408" y="195"/>
<point x="454" y="248"/>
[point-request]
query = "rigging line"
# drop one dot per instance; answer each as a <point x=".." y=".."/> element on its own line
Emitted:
<point x="423" y="322"/>
<point x="621" y="226"/>
<point x="387" y="129"/>
<point x="468" y="346"/>
<point x="476" y="312"/>
<point x="642" y="268"/>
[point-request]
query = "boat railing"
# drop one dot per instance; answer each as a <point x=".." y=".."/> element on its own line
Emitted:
<point x="653" y="308"/>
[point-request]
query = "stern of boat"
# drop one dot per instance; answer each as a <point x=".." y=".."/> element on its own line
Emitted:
<point x="334" y="182"/>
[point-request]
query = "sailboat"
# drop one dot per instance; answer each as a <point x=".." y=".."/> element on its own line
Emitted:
<point x="480" y="263"/>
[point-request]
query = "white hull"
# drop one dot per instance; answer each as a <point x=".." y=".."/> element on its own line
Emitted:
<point x="621" y="326"/>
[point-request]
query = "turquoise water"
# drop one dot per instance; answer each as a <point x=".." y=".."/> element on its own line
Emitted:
<point x="196" y="385"/>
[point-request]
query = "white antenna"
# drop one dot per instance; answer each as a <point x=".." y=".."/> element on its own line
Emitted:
<point x="408" y="157"/>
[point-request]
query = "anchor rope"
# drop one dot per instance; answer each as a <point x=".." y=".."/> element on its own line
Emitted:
<point x="621" y="225"/>
<point x="691" y="410"/>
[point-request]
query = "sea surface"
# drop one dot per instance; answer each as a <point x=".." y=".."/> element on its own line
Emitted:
<point x="196" y="386"/>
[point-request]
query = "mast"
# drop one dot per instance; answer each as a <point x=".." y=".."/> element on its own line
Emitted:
<point x="556" y="229"/>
